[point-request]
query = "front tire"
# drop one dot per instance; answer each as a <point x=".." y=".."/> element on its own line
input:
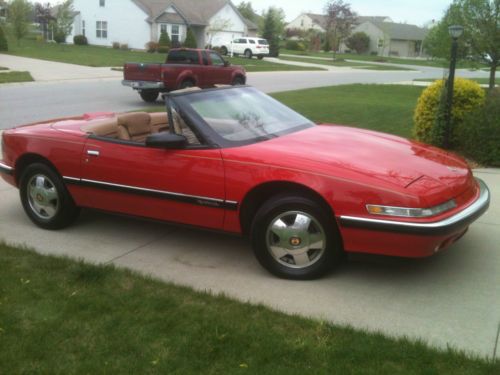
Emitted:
<point x="45" y="199"/>
<point x="248" y="54"/>
<point x="186" y="84"/>
<point x="149" y="96"/>
<point x="238" y="81"/>
<point x="293" y="237"/>
<point x="224" y="51"/>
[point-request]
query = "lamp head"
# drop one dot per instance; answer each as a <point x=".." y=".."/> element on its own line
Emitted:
<point x="456" y="31"/>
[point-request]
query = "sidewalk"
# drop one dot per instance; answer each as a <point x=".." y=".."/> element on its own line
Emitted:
<point x="45" y="71"/>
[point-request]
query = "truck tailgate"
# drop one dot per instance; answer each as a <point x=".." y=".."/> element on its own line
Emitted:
<point x="142" y="72"/>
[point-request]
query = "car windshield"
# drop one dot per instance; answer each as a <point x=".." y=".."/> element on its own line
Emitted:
<point x="243" y="115"/>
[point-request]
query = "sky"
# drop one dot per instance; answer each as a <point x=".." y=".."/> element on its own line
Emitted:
<point x="417" y="12"/>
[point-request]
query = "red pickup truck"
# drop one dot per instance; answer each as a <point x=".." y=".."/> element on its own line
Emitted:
<point x="183" y="68"/>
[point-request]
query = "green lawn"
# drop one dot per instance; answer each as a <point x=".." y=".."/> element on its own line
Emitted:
<point x="438" y="63"/>
<point x="103" y="57"/>
<point x="59" y="316"/>
<point x="342" y="63"/>
<point x="482" y="81"/>
<point x="386" y="108"/>
<point x="11" y="77"/>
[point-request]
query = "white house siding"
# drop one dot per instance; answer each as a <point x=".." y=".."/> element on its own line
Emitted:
<point x="235" y="26"/>
<point x="304" y="22"/>
<point x="126" y="22"/>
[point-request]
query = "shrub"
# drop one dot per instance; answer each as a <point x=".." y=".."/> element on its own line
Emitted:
<point x="327" y="47"/>
<point x="467" y="97"/>
<point x="190" y="41"/>
<point x="124" y="47"/>
<point x="164" y="43"/>
<point x="116" y="45"/>
<point x="478" y="136"/>
<point x="151" y="47"/>
<point x="80" y="40"/>
<point x="359" y="42"/>
<point x="295" y="45"/>
<point x="59" y="37"/>
<point x="4" y="46"/>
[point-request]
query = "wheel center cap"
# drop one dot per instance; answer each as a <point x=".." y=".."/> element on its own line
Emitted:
<point x="39" y="197"/>
<point x="295" y="241"/>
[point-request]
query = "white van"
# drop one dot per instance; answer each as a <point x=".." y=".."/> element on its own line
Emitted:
<point x="246" y="46"/>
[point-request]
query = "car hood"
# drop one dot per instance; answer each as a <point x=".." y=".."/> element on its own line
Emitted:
<point x="367" y="155"/>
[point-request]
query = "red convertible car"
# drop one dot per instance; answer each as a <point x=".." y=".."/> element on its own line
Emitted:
<point x="236" y="160"/>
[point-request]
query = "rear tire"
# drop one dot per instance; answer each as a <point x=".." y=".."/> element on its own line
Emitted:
<point x="45" y="198"/>
<point x="186" y="84"/>
<point x="294" y="237"/>
<point x="149" y="96"/>
<point x="248" y="54"/>
<point x="260" y="57"/>
<point x="238" y="81"/>
<point x="224" y="51"/>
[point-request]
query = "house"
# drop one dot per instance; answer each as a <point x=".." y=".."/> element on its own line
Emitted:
<point x="137" y="22"/>
<point x="393" y="39"/>
<point x="3" y="10"/>
<point x="319" y="22"/>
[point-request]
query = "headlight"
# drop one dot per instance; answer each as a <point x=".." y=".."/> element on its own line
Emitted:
<point x="410" y="212"/>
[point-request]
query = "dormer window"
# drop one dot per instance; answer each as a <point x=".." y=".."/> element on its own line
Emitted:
<point x="102" y="3"/>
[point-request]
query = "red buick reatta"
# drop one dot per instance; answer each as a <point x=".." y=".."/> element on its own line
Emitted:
<point x="236" y="160"/>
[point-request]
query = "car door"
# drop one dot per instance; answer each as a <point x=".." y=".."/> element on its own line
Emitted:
<point x="238" y="46"/>
<point x="184" y="186"/>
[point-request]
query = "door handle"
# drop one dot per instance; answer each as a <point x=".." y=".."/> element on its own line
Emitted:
<point x="93" y="153"/>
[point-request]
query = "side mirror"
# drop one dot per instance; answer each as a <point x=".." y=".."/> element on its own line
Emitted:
<point x="227" y="63"/>
<point x="167" y="141"/>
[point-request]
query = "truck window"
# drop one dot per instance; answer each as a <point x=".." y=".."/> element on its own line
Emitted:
<point x="204" y="56"/>
<point x="183" y="57"/>
<point x="216" y="59"/>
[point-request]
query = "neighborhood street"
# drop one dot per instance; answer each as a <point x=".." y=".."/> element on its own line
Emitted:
<point x="95" y="89"/>
<point x="449" y="299"/>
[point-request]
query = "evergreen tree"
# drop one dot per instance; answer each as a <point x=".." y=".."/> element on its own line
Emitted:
<point x="3" y="41"/>
<point x="164" y="43"/>
<point x="273" y="26"/>
<point x="190" y="41"/>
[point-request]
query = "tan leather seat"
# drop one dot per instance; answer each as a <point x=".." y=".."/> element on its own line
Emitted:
<point x="134" y="126"/>
<point x="159" y="122"/>
<point x="103" y="128"/>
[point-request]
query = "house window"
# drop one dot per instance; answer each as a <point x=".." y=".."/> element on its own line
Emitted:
<point x="163" y="28"/>
<point x="101" y="30"/>
<point x="83" y="28"/>
<point x="102" y="3"/>
<point x="175" y="37"/>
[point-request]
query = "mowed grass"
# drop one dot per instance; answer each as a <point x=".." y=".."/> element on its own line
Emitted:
<point x="68" y="317"/>
<point x="437" y="63"/>
<point x="96" y="56"/>
<point x="11" y="77"/>
<point x="343" y="63"/>
<point x="385" y="108"/>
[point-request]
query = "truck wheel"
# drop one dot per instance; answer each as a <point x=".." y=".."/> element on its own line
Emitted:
<point x="260" y="57"/>
<point x="293" y="237"/>
<point x="237" y="81"/>
<point x="248" y="54"/>
<point x="186" y="84"/>
<point x="149" y="96"/>
<point x="224" y="51"/>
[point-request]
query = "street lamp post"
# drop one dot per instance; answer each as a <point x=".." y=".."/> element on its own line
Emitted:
<point x="456" y="32"/>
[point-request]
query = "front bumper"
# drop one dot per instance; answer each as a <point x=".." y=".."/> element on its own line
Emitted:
<point x="144" y="85"/>
<point x="457" y="222"/>
<point x="5" y="169"/>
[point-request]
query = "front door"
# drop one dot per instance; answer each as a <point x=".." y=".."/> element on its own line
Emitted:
<point x="185" y="186"/>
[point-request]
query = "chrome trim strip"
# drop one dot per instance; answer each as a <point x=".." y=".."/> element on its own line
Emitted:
<point x="465" y="217"/>
<point x="193" y="199"/>
<point x="93" y="153"/>
<point x="4" y="168"/>
<point x="140" y="85"/>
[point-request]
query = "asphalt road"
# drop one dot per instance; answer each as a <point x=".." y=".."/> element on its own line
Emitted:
<point x="29" y="102"/>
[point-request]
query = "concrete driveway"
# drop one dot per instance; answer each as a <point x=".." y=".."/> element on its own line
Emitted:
<point x="450" y="299"/>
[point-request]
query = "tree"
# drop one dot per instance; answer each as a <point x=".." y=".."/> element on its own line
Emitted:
<point x="339" y="21"/>
<point x="164" y="42"/>
<point x="247" y="11"/>
<point x="273" y="26"/>
<point x="216" y="26"/>
<point x="359" y="42"/>
<point x="43" y="16"/>
<point x="63" y="23"/>
<point x="190" y="41"/>
<point x="18" y="15"/>
<point x="4" y="46"/>
<point x="481" y="39"/>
